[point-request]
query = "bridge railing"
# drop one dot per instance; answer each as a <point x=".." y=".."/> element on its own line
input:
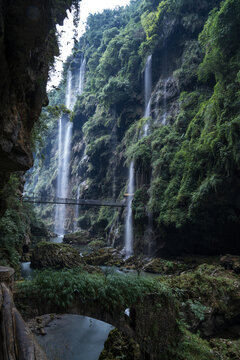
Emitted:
<point x="69" y="201"/>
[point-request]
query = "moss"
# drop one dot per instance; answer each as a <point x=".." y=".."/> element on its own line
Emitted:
<point x="47" y="254"/>
<point x="119" y="346"/>
<point x="139" y="204"/>
<point x="97" y="244"/>
<point x="227" y="349"/>
<point x="161" y="266"/>
<point x="193" y="347"/>
<point x="211" y="286"/>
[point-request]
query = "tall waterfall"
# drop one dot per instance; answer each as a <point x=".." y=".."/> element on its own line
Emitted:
<point x="81" y="83"/>
<point x="64" y="147"/>
<point x="82" y="75"/>
<point x="64" y="152"/>
<point x="129" y="220"/>
<point x="147" y="92"/>
<point x="129" y="234"/>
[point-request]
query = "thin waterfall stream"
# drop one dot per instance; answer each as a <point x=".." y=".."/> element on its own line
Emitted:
<point x="64" y="148"/>
<point x="64" y="151"/>
<point x="129" y="219"/>
<point x="129" y="232"/>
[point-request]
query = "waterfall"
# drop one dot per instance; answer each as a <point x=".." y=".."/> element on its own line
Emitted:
<point x="63" y="178"/>
<point x="147" y="92"/>
<point x="129" y="220"/>
<point x="81" y="83"/>
<point x="82" y="75"/>
<point x="114" y="165"/>
<point x="64" y="152"/>
<point x="147" y="114"/>
<point x="129" y="234"/>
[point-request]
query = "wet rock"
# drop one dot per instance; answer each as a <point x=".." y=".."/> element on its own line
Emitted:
<point x="209" y="297"/>
<point x="105" y="257"/>
<point x="161" y="266"/>
<point x="37" y="325"/>
<point x="225" y="349"/>
<point x="231" y="262"/>
<point x="6" y="275"/>
<point x="118" y="346"/>
<point x="15" y="334"/>
<point x="97" y="244"/>
<point x="48" y="254"/>
<point x="81" y="237"/>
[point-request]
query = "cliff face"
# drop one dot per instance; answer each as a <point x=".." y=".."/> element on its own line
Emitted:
<point x="27" y="47"/>
<point x="186" y="168"/>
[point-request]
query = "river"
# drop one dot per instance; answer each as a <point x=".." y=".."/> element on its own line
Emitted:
<point x="71" y="337"/>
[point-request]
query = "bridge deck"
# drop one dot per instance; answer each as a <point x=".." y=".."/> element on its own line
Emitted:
<point x="87" y="202"/>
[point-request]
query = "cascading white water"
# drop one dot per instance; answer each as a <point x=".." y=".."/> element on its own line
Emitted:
<point x="147" y="92"/>
<point x="64" y="151"/>
<point x="64" y="148"/>
<point x="129" y="221"/>
<point x="147" y="114"/>
<point x="129" y="233"/>
<point x="82" y="76"/>
<point x="81" y="83"/>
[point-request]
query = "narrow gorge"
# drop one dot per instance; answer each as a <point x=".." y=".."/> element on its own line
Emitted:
<point x="119" y="198"/>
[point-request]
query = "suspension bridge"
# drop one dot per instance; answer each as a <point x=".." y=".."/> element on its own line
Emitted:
<point x="67" y="201"/>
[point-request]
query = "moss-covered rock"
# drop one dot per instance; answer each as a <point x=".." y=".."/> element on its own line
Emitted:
<point x="231" y="262"/>
<point x="80" y="237"/>
<point x="226" y="349"/>
<point x="47" y="254"/>
<point x="161" y="266"/>
<point x="210" y="298"/>
<point x="97" y="244"/>
<point x="104" y="257"/>
<point x="119" y="346"/>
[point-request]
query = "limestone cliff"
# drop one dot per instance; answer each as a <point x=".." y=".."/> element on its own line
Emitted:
<point x="187" y="167"/>
<point x="27" y="48"/>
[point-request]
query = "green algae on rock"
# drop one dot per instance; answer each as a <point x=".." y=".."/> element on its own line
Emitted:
<point x="47" y="254"/>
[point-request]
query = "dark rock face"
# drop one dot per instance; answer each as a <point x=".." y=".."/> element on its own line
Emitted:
<point x="55" y="255"/>
<point x="231" y="262"/>
<point x="105" y="257"/>
<point x="116" y="343"/>
<point x="27" y="47"/>
<point x="80" y="238"/>
<point x="24" y="49"/>
<point x="16" y="340"/>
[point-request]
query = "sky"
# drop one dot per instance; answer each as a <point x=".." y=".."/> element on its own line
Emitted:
<point x="66" y="32"/>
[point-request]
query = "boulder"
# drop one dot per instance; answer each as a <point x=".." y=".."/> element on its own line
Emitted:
<point x="161" y="266"/>
<point x="231" y="262"/>
<point x="118" y="345"/>
<point x="16" y="340"/>
<point x="80" y="237"/>
<point x="47" y="254"/>
<point x="105" y="257"/>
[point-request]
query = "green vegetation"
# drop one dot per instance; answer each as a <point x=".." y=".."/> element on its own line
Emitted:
<point x="15" y="223"/>
<point x="188" y="168"/>
<point x="111" y="292"/>
<point x="199" y="295"/>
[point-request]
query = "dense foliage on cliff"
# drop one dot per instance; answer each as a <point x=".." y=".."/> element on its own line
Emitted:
<point x="15" y="224"/>
<point x="187" y="168"/>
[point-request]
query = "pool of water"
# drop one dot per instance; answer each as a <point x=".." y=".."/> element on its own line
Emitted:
<point x="26" y="271"/>
<point x="74" y="337"/>
<point x="58" y="239"/>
